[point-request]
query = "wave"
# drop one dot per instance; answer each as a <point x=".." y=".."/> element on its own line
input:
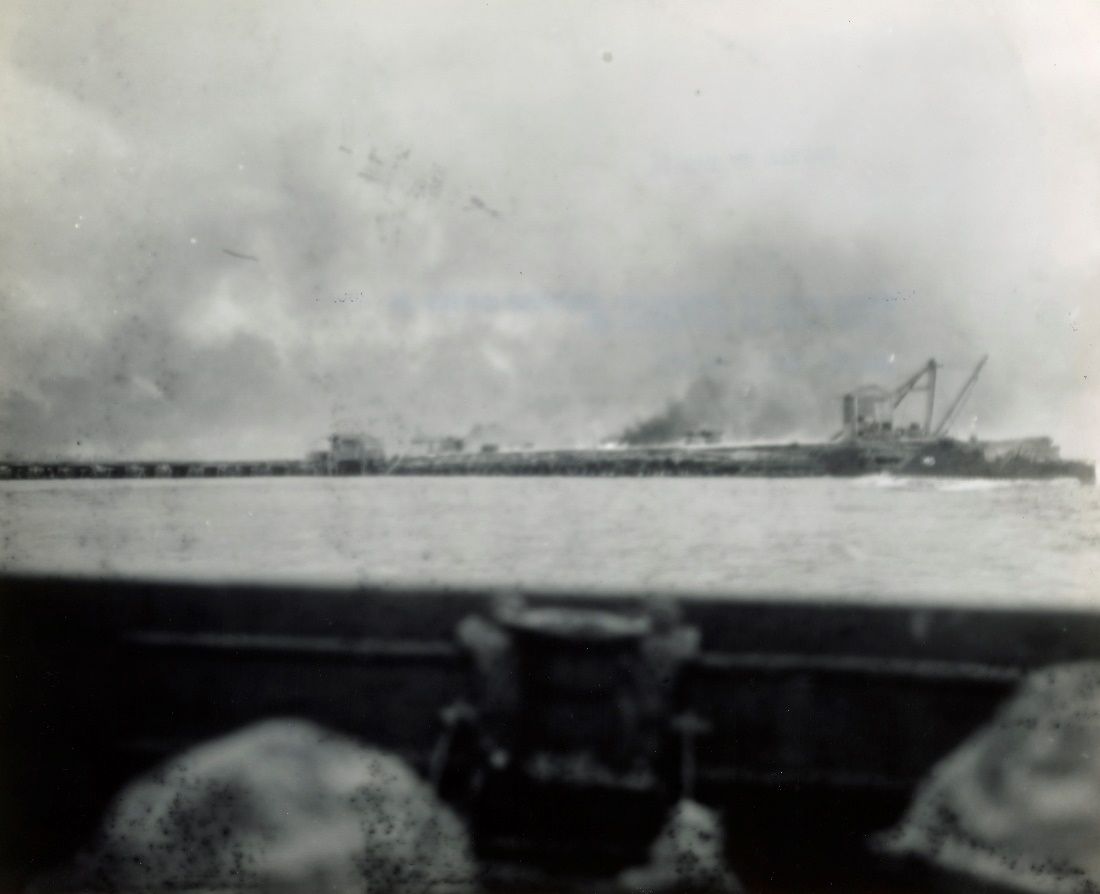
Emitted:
<point x="956" y="485"/>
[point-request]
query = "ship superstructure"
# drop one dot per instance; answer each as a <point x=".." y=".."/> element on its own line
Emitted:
<point x="868" y="412"/>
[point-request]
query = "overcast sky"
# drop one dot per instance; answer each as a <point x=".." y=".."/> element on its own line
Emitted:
<point x="231" y="227"/>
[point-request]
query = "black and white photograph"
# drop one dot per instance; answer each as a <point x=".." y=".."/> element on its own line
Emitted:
<point x="549" y="447"/>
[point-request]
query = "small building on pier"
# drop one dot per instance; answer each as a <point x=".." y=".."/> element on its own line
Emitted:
<point x="352" y="454"/>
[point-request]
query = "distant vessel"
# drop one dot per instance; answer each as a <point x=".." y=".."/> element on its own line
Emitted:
<point x="924" y="449"/>
<point x="869" y="442"/>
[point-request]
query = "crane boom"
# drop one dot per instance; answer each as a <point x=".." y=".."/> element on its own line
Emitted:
<point x="929" y="387"/>
<point x="956" y="404"/>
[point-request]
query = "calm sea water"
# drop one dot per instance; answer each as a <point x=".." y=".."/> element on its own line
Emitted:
<point x="877" y="539"/>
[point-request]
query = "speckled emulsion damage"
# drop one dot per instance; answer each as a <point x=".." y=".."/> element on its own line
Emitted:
<point x="287" y="806"/>
<point x="280" y="806"/>
<point x="1018" y="804"/>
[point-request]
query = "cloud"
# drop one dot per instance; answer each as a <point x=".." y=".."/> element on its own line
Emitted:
<point x="238" y="226"/>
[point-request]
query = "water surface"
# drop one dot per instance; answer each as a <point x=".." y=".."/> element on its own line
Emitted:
<point x="878" y="538"/>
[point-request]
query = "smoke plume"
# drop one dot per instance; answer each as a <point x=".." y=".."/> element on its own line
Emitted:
<point x="700" y="408"/>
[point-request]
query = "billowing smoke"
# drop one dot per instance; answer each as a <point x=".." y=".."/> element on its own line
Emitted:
<point x="700" y="408"/>
<point x="714" y="407"/>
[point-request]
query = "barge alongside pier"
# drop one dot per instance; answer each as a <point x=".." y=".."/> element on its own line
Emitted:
<point x="944" y="457"/>
<point x="869" y="443"/>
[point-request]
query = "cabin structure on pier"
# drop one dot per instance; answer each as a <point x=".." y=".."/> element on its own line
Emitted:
<point x="352" y="453"/>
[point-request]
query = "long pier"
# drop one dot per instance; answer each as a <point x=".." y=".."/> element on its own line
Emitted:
<point x="176" y="469"/>
<point x="777" y="460"/>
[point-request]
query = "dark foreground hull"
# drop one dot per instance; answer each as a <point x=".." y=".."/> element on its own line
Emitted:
<point x="820" y="718"/>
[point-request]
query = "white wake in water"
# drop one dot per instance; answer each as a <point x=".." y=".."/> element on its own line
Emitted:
<point x="887" y="481"/>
